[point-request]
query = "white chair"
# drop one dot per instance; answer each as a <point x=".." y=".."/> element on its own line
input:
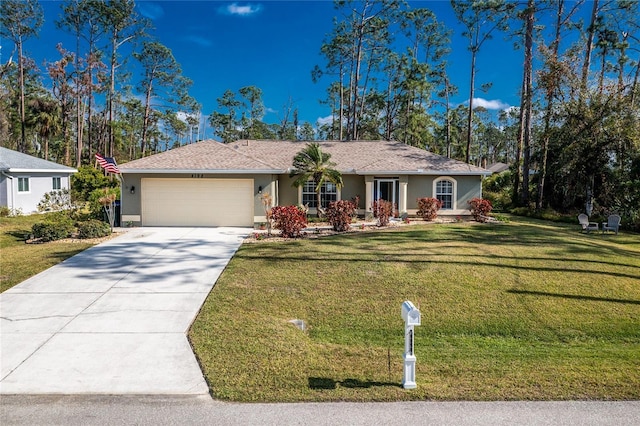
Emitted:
<point x="612" y="224"/>
<point x="586" y="225"/>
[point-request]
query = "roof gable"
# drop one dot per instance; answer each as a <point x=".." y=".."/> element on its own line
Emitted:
<point x="14" y="161"/>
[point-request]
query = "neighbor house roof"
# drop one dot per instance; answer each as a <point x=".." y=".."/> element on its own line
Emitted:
<point x="264" y="156"/>
<point x="498" y="167"/>
<point x="14" y="161"/>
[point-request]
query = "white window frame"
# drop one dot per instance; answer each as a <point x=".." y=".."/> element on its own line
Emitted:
<point x="56" y="182"/>
<point x="21" y="180"/>
<point x="454" y="189"/>
<point x="309" y="189"/>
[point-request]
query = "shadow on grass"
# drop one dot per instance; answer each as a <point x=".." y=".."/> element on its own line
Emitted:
<point x="328" y="383"/>
<point x="20" y="235"/>
<point x="573" y="296"/>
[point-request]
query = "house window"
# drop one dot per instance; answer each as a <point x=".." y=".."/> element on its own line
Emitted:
<point x="445" y="193"/>
<point x="328" y="193"/>
<point x="56" y="183"/>
<point x="23" y="184"/>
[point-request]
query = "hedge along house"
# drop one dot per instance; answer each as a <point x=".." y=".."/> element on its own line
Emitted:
<point x="214" y="184"/>
<point x="25" y="179"/>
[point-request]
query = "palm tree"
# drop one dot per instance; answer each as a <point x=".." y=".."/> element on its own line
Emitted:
<point x="313" y="164"/>
<point x="46" y="119"/>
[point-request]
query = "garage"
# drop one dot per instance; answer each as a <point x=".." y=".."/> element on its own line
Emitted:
<point x="197" y="202"/>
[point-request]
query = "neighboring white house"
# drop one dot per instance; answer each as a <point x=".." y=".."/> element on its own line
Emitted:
<point x="25" y="179"/>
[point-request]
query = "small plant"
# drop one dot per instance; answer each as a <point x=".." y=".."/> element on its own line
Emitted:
<point x="93" y="229"/>
<point x="290" y="220"/>
<point x="382" y="210"/>
<point x="267" y="202"/>
<point x="7" y="212"/>
<point x="339" y="214"/>
<point x="55" y="201"/>
<point x="428" y="208"/>
<point x="258" y="236"/>
<point x="480" y="209"/>
<point x="458" y="219"/>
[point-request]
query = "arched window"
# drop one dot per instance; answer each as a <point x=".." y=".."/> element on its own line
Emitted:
<point x="445" y="191"/>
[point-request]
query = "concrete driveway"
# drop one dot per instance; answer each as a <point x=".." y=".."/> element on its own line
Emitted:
<point x="113" y="319"/>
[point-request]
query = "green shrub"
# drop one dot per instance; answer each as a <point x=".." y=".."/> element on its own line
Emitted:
<point x="428" y="208"/>
<point x="56" y="227"/>
<point x="290" y="220"/>
<point x="4" y="211"/>
<point x="98" y="198"/>
<point x="87" y="180"/>
<point x="340" y="213"/>
<point x="93" y="229"/>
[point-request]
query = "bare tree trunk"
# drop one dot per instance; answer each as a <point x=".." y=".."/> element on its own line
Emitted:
<point x="145" y="123"/>
<point x="22" y="147"/>
<point x="589" y="47"/>
<point x="470" y="114"/>
<point x="527" y="96"/>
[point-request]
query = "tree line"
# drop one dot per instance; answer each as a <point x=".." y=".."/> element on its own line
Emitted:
<point x="574" y="138"/>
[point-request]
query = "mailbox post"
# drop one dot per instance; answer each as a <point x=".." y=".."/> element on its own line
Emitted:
<point x="411" y="317"/>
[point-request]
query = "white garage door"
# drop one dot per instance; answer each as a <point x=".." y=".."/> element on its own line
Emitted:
<point x="197" y="202"/>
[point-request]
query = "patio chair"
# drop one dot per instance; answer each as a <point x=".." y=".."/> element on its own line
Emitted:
<point x="587" y="226"/>
<point x="612" y="224"/>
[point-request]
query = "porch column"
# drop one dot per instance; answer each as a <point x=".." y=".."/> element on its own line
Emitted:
<point x="368" y="195"/>
<point x="402" y="196"/>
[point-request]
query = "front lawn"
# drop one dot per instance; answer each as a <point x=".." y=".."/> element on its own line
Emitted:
<point x="527" y="310"/>
<point x="19" y="261"/>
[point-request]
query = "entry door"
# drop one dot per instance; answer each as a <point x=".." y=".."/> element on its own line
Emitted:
<point x="387" y="189"/>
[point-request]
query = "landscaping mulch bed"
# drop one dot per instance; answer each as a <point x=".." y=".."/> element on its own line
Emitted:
<point x="324" y="229"/>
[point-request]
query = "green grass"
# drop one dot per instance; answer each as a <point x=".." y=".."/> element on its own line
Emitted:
<point x="527" y="310"/>
<point x="19" y="261"/>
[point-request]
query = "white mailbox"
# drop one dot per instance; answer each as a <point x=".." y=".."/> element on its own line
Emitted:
<point x="411" y="317"/>
<point x="410" y="314"/>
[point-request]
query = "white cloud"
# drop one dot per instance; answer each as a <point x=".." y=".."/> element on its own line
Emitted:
<point x="150" y="10"/>
<point x="324" y="120"/>
<point x="201" y="41"/>
<point x="241" y="10"/>
<point x="494" y="104"/>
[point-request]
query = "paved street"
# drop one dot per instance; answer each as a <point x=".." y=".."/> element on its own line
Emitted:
<point x="201" y="410"/>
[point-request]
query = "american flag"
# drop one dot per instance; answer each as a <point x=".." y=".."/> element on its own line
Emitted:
<point x="108" y="163"/>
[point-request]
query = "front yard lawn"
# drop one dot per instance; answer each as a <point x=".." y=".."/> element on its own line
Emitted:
<point x="19" y="261"/>
<point x="527" y="310"/>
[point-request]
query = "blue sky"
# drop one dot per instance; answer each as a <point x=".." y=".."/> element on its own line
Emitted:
<point x="274" y="45"/>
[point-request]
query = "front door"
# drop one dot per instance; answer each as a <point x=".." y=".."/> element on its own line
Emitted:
<point x="387" y="189"/>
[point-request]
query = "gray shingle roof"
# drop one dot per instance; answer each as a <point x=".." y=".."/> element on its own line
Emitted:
<point x="15" y="161"/>
<point x="352" y="157"/>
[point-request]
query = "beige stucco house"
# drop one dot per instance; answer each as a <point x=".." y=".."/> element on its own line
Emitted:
<point x="213" y="184"/>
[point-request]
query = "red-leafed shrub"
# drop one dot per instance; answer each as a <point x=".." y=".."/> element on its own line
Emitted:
<point x="480" y="209"/>
<point x="340" y="213"/>
<point x="382" y="210"/>
<point x="290" y="220"/>
<point x="428" y="207"/>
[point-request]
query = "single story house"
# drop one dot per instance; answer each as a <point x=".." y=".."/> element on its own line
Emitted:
<point x="214" y="184"/>
<point x="24" y="179"/>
